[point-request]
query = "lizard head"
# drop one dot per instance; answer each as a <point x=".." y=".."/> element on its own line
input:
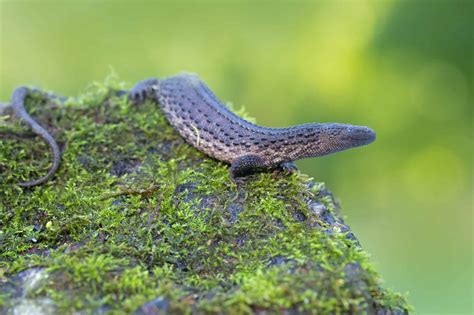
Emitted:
<point x="336" y="137"/>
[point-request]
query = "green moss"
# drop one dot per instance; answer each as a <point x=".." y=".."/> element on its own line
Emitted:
<point x="134" y="214"/>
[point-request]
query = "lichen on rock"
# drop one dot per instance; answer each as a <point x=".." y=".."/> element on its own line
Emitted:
<point x="138" y="221"/>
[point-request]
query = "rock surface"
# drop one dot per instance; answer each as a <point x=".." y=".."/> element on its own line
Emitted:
<point x="138" y="221"/>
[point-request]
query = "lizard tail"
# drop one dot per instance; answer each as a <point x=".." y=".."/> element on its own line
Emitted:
<point x="17" y="104"/>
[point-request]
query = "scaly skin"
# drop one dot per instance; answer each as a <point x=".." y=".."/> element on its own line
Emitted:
<point x="204" y="122"/>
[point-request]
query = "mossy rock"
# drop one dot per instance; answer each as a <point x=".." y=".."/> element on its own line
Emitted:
<point x="138" y="221"/>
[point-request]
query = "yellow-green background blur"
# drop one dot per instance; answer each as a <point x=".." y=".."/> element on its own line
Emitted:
<point x="402" y="68"/>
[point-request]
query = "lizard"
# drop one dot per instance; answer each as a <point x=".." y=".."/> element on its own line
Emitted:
<point x="206" y="123"/>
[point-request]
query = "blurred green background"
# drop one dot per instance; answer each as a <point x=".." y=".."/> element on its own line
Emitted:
<point x="402" y="68"/>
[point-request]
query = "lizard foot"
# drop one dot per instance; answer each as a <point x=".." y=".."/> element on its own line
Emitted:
<point x="288" y="168"/>
<point x="143" y="90"/>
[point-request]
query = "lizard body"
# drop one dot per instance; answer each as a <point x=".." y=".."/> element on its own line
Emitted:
<point x="204" y="122"/>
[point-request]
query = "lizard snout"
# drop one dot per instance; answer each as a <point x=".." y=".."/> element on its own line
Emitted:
<point x="360" y="134"/>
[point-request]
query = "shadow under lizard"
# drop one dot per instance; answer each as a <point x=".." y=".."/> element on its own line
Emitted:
<point x="207" y="124"/>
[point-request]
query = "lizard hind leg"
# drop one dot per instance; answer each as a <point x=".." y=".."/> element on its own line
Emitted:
<point x="18" y="107"/>
<point x="246" y="165"/>
<point x="143" y="90"/>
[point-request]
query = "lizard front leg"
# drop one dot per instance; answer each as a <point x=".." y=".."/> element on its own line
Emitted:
<point x="246" y="165"/>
